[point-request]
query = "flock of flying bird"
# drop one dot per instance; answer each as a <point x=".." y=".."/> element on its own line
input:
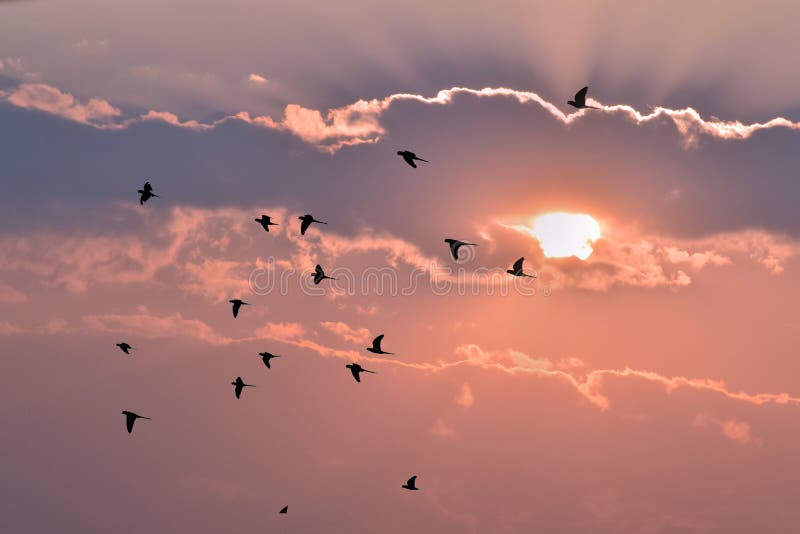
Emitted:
<point x="319" y="275"/>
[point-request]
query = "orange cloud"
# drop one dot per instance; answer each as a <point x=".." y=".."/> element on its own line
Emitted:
<point x="626" y="257"/>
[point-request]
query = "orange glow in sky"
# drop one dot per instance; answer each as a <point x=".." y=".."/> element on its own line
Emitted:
<point x="566" y="234"/>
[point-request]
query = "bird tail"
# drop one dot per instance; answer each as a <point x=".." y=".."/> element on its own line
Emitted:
<point x="425" y="160"/>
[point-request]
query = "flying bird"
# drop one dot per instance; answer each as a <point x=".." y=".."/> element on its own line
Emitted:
<point x="580" y="100"/>
<point x="124" y="347"/>
<point x="239" y="386"/>
<point x="410" y="157"/>
<point x="284" y="510"/>
<point x="236" y="305"/>
<point x="455" y="245"/>
<point x="307" y="220"/>
<point x="131" y="418"/>
<point x="266" y="357"/>
<point x="411" y="484"/>
<point x="319" y="275"/>
<point x="357" y="370"/>
<point x="376" y="346"/>
<point x="146" y="192"/>
<point x="266" y="222"/>
<point x="516" y="269"/>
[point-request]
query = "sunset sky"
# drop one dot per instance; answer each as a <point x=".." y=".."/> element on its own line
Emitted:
<point x="647" y="381"/>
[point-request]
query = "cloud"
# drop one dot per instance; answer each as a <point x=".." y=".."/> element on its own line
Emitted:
<point x="442" y="429"/>
<point x="8" y="329"/>
<point x="153" y="326"/>
<point x="346" y="332"/>
<point x="11" y="295"/>
<point x="95" y="112"/>
<point x="171" y="118"/>
<point x="257" y="79"/>
<point x="623" y="256"/>
<point x="465" y="397"/>
<point x="590" y="384"/>
<point x="738" y="431"/>
<point x="359" y="122"/>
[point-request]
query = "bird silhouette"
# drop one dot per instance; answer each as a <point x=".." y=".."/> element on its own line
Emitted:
<point x="376" y="346"/>
<point x="516" y="269"/>
<point x="124" y="347"/>
<point x="455" y="245"/>
<point x="319" y="275"/>
<point x="357" y="370"/>
<point x="411" y="484"/>
<point x="131" y="418"/>
<point x="266" y="357"/>
<point x="236" y="305"/>
<point x="580" y="100"/>
<point x="266" y="222"/>
<point x="239" y="386"/>
<point x="307" y="220"/>
<point x="284" y="510"/>
<point x="410" y="157"/>
<point x="146" y="192"/>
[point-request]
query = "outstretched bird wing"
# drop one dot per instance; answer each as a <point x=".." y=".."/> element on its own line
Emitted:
<point x="580" y="96"/>
<point x="412" y="482"/>
<point x="409" y="157"/>
<point x="454" y="246"/>
<point x="236" y="306"/>
<point x="284" y="510"/>
<point x="304" y="225"/>
<point x="356" y="372"/>
<point x="517" y="267"/>
<point x="238" y="389"/>
<point x="129" y="420"/>
<point x="376" y="343"/>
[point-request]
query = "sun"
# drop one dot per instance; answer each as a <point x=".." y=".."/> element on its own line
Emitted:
<point x="562" y="235"/>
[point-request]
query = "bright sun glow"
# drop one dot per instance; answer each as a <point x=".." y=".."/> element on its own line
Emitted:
<point x="566" y="234"/>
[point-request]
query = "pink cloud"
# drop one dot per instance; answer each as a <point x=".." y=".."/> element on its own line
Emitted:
<point x="738" y="431"/>
<point x="442" y="429"/>
<point x="590" y="384"/>
<point x="11" y="295"/>
<point x="95" y="112"/>
<point x="257" y="79"/>
<point x="347" y="332"/>
<point x="465" y="397"/>
<point x="171" y="118"/>
<point x="359" y="122"/>
<point x="153" y="326"/>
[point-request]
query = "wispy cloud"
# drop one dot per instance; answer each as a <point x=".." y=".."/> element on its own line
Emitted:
<point x="359" y="122"/>
<point x="735" y="430"/>
<point x="347" y="332"/>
